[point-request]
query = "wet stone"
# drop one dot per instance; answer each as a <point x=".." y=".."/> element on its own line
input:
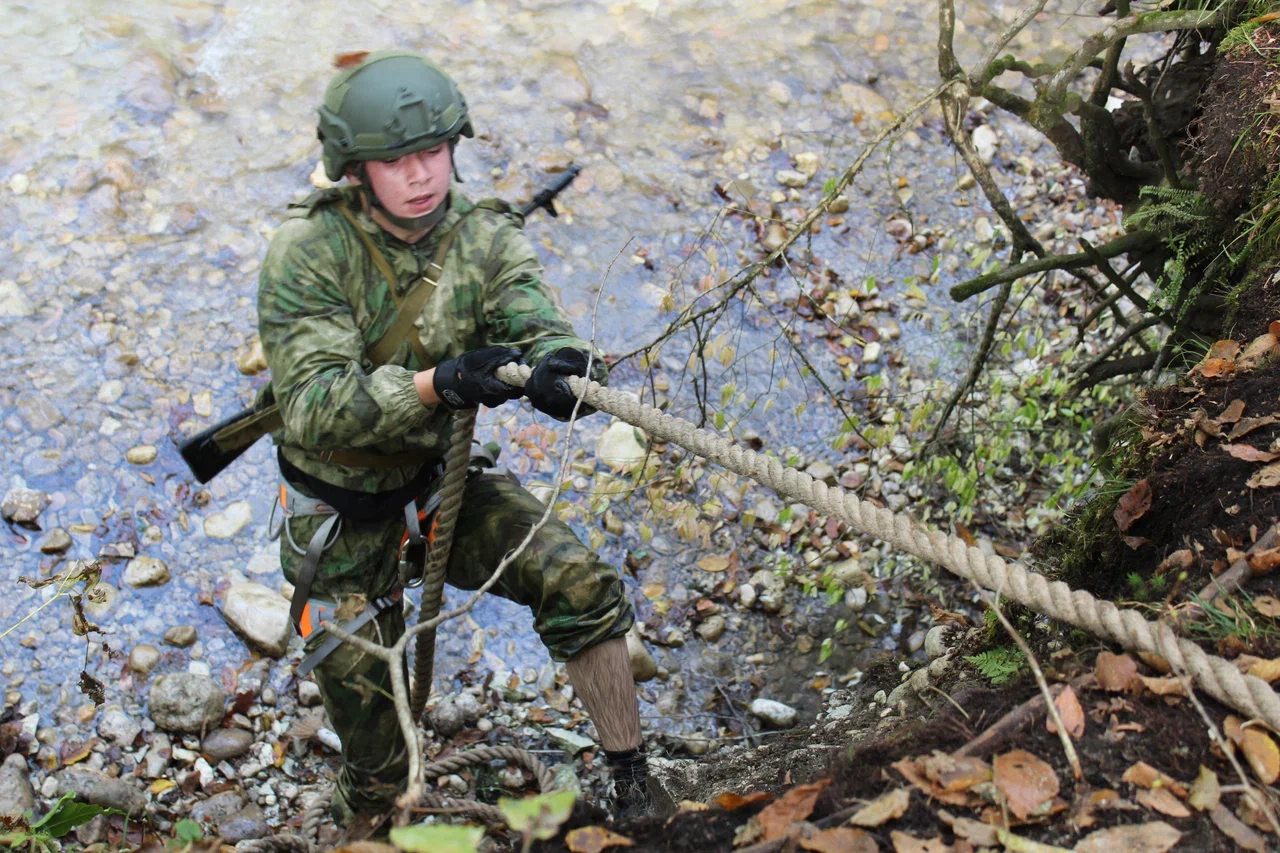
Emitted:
<point x="186" y="702"/>
<point x="110" y="391"/>
<point x="181" y="636"/>
<point x="935" y="642"/>
<point x="118" y="727"/>
<point x="226" y="523"/>
<point x="225" y="744"/>
<point x="143" y="454"/>
<point x="143" y="658"/>
<point x="145" y="571"/>
<point x="985" y="142"/>
<point x="23" y="506"/>
<point x="571" y="742"/>
<point x="855" y="599"/>
<point x="55" y="541"/>
<point x="712" y="629"/>
<point x="915" y="642"/>
<point x="791" y="178"/>
<point x="38" y="411"/>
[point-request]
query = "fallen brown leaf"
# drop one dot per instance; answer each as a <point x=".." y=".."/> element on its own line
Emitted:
<point x="1133" y="505"/>
<point x="1169" y="686"/>
<point x="1233" y="828"/>
<point x="1115" y="673"/>
<point x="1026" y="782"/>
<point x="1266" y="478"/>
<point x="1258" y="349"/>
<point x="1273" y="328"/>
<point x="1249" y="453"/>
<point x="796" y="804"/>
<point x="731" y="802"/>
<point x="1205" y="791"/>
<point x="1144" y="775"/>
<point x="955" y="773"/>
<point x="1267" y="670"/>
<point x="1267" y="605"/>
<point x="1135" y="542"/>
<point x="1162" y="801"/>
<point x="593" y="839"/>
<point x="1068" y="705"/>
<point x="1264" y="562"/>
<point x="912" y="770"/>
<point x="1253" y="811"/>
<point x="1017" y="844"/>
<point x="1232" y="413"/>
<point x="1156" y="662"/>
<point x="1248" y="425"/>
<point x="1154" y="837"/>
<point x="1216" y="367"/>
<point x="889" y="807"/>
<point x="974" y="831"/>
<point x="1100" y="800"/>
<point x="1225" y="349"/>
<point x="841" y="839"/>
<point x="1261" y="753"/>
<point x="1180" y="559"/>
<point x="906" y="843"/>
<point x="713" y="563"/>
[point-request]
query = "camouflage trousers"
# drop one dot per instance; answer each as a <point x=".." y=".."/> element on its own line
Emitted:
<point x="577" y="601"/>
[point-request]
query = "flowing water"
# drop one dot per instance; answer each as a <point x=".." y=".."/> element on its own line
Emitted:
<point x="150" y="147"/>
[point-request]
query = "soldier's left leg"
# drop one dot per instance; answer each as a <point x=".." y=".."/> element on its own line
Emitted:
<point x="579" y="607"/>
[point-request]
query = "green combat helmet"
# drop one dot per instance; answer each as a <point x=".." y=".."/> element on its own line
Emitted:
<point x="390" y="103"/>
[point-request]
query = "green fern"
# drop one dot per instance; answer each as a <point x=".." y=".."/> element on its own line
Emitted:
<point x="998" y="665"/>
<point x="1185" y="219"/>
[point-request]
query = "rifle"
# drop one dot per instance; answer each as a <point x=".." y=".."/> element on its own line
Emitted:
<point x="207" y="453"/>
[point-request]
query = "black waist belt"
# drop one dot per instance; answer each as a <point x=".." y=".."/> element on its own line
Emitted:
<point x="357" y="505"/>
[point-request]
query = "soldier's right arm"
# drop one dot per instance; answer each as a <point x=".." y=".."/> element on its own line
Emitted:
<point x="315" y="350"/>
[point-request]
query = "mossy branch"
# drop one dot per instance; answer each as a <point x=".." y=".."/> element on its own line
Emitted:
<point x="1121" y="245"/>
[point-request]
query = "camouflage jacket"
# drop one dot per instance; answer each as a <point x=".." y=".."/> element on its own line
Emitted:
<point x="322" y="303"/>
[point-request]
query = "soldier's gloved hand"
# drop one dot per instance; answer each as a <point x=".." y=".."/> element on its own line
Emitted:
<point x="547" y="388"/>
<point x="468" y="380"/>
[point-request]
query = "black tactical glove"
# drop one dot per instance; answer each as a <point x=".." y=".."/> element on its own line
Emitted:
<point x="468" y="380"/>
<point x="547" y="388"/>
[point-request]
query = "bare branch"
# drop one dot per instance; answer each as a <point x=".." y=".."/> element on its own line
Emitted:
<point x="979" y="360"/>
<point x="948" y="68"/>
<point x="978" y="77"/>
<point x="1150" y="22"/>
<point x="1067" y="746"/>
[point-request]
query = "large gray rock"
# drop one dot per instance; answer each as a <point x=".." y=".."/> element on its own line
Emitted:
<point x="98" y="788"/>
<point x="259" y="613"/>
<point x="225" y="744"/>
<point x="16" y="794"/>
<point x="454" y="713"/>
<point x="217" y="808"/>
<point x="186" y="702"/>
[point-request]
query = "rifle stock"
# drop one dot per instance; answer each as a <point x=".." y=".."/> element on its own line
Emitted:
<point x="205" y="457"/>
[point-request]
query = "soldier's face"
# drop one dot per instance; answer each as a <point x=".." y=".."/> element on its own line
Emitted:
<point x="415" y="184"/>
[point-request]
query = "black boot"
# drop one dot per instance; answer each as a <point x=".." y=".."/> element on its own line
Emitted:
<point x="633" y="794"/>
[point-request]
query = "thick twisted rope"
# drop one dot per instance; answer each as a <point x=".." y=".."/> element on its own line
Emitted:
<point x="1216" y="676"/>
<point x="452" y="485"/>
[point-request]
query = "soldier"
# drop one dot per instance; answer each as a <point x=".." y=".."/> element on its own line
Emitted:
<point x="367" y="404"/>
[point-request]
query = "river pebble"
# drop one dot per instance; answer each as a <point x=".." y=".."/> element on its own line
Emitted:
<point x="643" y="666"/>
<point x="55" y="541"/>
<point x="985" y="142"/>
<point x="217" y="808"/>
<point x="225" y="744"/>
<point x="142" y="454"/>
<point x="309" y="694"/>
<point x="143" y="658"/>
<point x="118" y="727"/>
<point x="712" y="628"/>
<point x="775" y="715"/>
<point x="246" y="824"/>
<point x="226" y="523"/>
<point x="621" y="445"/>
<point x="186" y="702"/>
<point x="16" y="794"/>
<point x="145" y="571"/>
<point x="182" y="636"/>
